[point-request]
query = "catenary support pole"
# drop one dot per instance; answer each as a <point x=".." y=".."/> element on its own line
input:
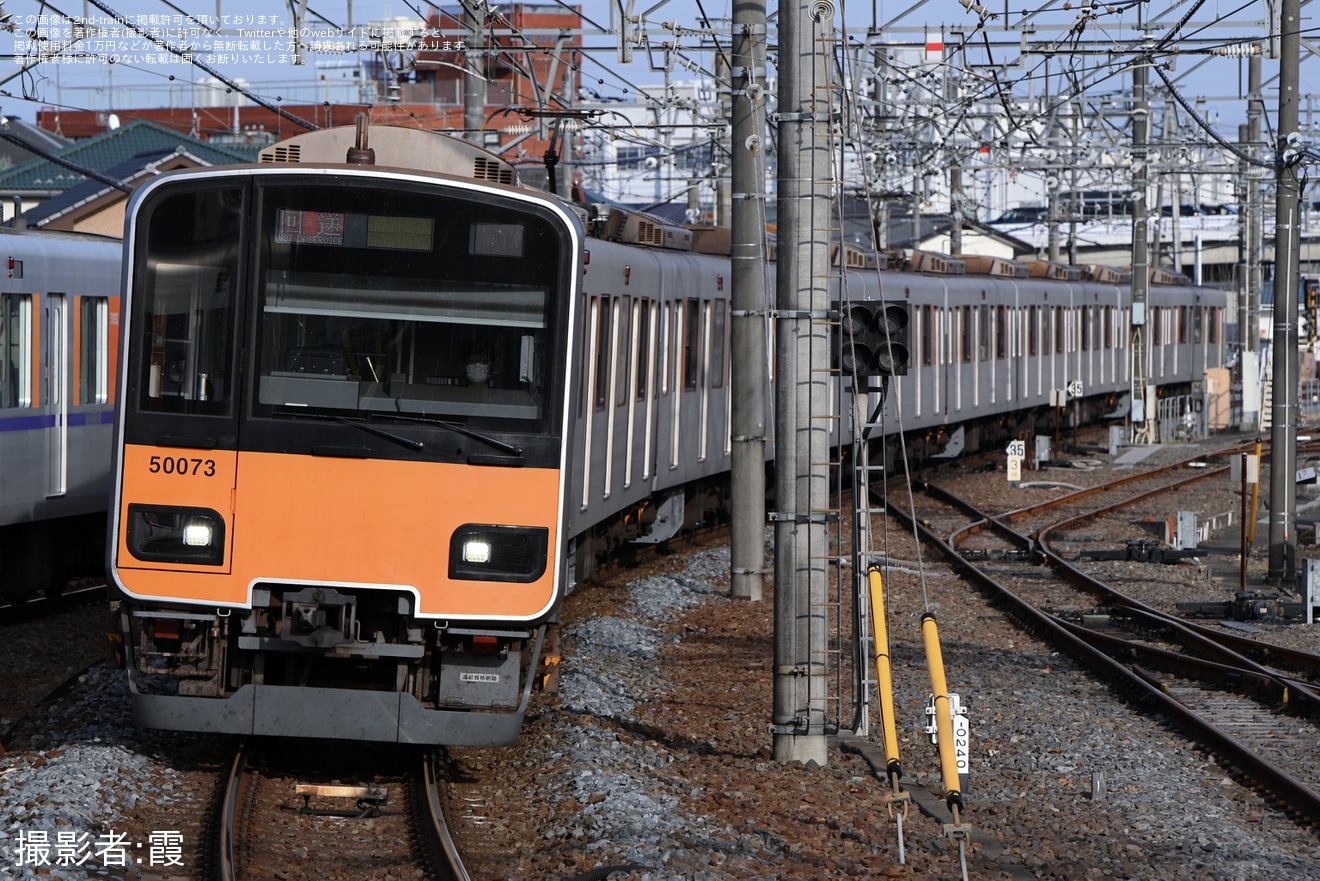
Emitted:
<point x="1143" y="419"/>
<point x="802" y="348"/>
<point x="1284" y="410"/>
<point x="748" y="319"/>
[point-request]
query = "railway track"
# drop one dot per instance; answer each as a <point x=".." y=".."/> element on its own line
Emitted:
<point x="340" y="817"/>
<point x="82" y="592"/>
<point x="1253" y="703"/>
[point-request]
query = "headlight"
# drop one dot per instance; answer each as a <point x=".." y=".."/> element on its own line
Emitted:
<point x="161" y="534"/>
<point x="197" y="533"/>
<point x="498" y="553"/>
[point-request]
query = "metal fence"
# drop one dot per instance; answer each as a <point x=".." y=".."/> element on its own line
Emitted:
<point x="1182" y="419"/>
<point x="1308" y="402"/>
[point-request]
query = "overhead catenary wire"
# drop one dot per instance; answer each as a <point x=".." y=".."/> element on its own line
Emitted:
<point x="169" y="47"/>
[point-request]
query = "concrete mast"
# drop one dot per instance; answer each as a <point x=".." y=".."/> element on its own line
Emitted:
<point x="1284" y="410"/>
<point x="748" y="318"/>
<point x="802" y="378"/>
<point x="1143" y="398"/>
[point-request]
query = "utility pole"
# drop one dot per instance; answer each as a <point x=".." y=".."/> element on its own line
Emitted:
<point x="802" y="346"/>
<point x="1143" y="397"/>
<point x="1284" y="411"/>
<point x="956" y="208"/>
<point x="748" y="318"/>
<point x="474" y="75"/>
<point x="1052" y="193"/>
<point x="1249" y="285"/>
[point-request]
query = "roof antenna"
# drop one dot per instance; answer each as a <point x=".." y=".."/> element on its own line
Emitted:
<point x="360" y="153"/>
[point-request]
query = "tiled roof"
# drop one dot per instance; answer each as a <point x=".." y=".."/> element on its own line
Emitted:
<point x="105" y="151"/>
<point x="88" y="189"/>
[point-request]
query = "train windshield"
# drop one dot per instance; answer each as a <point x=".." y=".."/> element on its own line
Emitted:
<point x="393" y="301"/>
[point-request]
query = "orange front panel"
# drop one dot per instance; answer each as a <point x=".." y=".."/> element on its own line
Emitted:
<point x="175" y="478"/>
<point x="373" y="523"/>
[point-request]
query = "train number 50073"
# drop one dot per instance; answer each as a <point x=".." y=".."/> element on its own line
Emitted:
<point x="181" y="465"/>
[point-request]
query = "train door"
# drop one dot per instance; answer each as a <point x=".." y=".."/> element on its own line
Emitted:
<point x="592" y="381"/>
<point x="943" y="355"/>
<point x="54" y="355"/>
<point x="675" y="378"/>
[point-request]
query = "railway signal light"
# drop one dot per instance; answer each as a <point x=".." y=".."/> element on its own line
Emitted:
<point x="874" y="339"/>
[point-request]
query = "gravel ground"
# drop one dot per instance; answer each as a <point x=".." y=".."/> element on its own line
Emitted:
<point x="655" y="753"/>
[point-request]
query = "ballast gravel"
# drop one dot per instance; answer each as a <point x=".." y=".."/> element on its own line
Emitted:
<point x="654" y="757"/>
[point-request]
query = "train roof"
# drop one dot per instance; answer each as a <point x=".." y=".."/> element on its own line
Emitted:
<point x="395" y="147"/>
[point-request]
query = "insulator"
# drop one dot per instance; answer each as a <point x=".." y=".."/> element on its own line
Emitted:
<point x="1238" y="50"/>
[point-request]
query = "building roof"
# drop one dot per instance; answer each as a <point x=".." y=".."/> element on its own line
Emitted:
<point x="145" y="164"/>
<point x="108" y="150"/>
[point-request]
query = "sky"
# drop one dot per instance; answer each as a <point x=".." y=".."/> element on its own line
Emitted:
<point x="144" y="74"/>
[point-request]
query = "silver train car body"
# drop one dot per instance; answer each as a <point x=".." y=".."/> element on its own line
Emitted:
<point x="989" y="350"/>
<point x="59" y="311"/>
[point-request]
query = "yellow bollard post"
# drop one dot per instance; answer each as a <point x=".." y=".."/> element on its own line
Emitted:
<point x="956" y="830"/>
<point x="897" y="800"/>
<point x="883" y="671"/>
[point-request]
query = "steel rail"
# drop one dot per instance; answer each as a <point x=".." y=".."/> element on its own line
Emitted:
<point x="1237" y="651"/>
<point x="225" y="862"/>
<point x="434" y="827"/>
<point x="1298" y="797"/>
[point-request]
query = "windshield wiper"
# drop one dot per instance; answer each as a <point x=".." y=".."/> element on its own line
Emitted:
<point x="380" y="432"/>
<point x="511" y="449"/>
<point x="359" y="424"/>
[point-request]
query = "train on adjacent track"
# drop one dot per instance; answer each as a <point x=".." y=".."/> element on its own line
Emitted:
<point x="382" y="406"/>
<point x="59" y="317"/>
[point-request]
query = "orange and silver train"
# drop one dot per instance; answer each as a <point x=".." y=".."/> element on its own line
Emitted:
<point x="377" y="419"/>
<point x="341" y="466"/>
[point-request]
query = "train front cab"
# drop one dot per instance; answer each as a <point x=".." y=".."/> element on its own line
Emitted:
<point x="340" y="472"/>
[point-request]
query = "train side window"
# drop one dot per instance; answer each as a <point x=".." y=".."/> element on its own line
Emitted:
<point x="1212" y="326"/>
<point x="1033" y="330"/>
<point x="1183" y="323"/>
<point x="664" y="375"/>
<point x="642" y="333"/>
<point x="983" y="333"/>
<point x="719" y="344"/>
<point x="1060" y="330"/>
<point x="94" y="351"/>
<point x="1108" y="312"/>
<point x="622" y="318"/>
<point x="15" y="350"/>
<point x="1001" y="331"/>
<point x="966" y="315"/>
<point x="927" y="336"/>
<point x="1157" y="326"/>
<point x="691" y="344"/>
<point x="603" y="353"/>
<point x="1198" y="317"/>
<point x="588" y="372"/>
